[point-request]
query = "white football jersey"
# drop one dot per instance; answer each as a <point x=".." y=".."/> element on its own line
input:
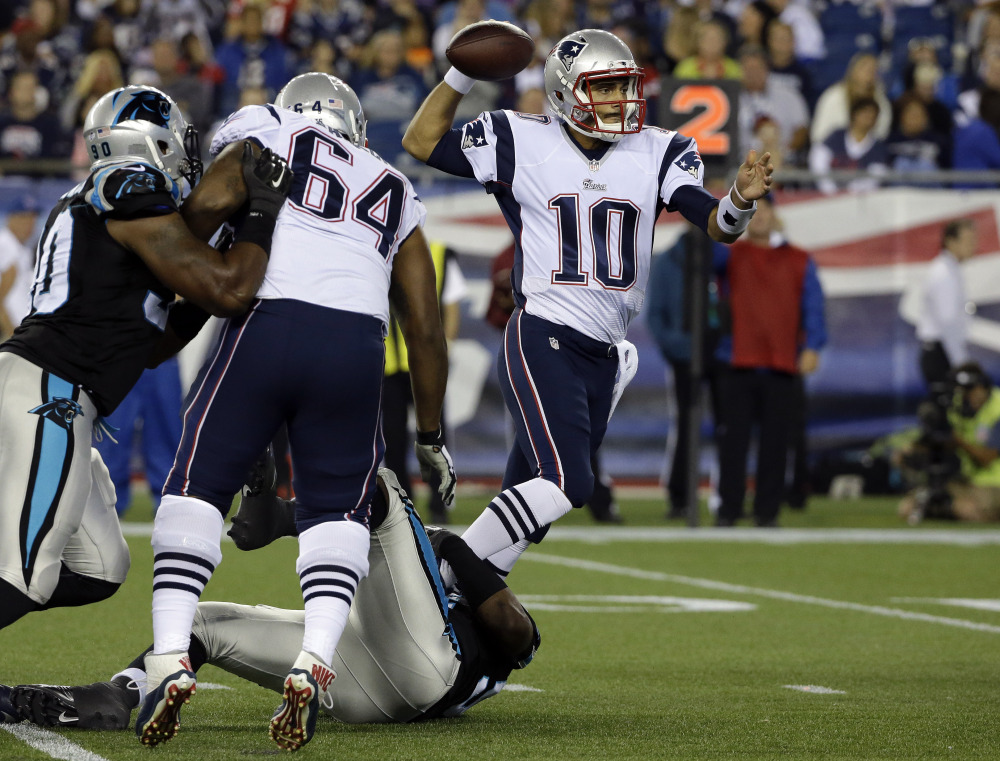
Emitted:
<point x="585" y="226"/>
<point x="346" y="215"/>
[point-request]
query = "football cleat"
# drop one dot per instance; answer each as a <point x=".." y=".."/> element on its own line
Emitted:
<point x="8" y="711"/>
<point x="262" y="516"/>
<point x="103" y="705"/>
<point x="159" y="714"/>
<point x="306" y="685"/>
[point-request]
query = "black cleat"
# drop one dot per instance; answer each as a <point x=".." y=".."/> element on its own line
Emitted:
<point x="8" y="711"/>
<point x="103" y="705"/>
<point x="262" y="516"/>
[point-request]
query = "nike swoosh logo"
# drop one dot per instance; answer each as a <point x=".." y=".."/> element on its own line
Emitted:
<point x="64" y="719"/>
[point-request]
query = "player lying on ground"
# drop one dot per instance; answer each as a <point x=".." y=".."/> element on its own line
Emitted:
<point x="432" y="656"/>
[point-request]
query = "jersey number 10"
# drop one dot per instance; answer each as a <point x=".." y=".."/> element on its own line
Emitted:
<point x="613" y="227"/>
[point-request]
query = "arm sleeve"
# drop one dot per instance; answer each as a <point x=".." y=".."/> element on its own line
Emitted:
<point x="813" y="309"/>
<point x="130" y="192"/>
<point x="478" y="581"/>
<point x="448" y="156"/>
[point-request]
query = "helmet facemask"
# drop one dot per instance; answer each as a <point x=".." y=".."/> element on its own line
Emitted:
<point x="631" y="105"/>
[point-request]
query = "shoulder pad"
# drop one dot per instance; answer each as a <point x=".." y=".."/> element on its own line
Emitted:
<point x="132" y="190"/>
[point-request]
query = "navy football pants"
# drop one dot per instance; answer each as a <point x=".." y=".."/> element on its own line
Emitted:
<point x="318" y="370"/>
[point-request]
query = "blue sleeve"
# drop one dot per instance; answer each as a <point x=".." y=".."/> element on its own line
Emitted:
<point x="813" y="309"/>
<point x="665" y="304"/>
<point x="694" y="203"/>
<point x="449" y="157"/>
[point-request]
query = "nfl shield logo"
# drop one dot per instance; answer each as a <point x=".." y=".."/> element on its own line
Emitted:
<point x="595" y="165"/>
<point x="554" y="343"/>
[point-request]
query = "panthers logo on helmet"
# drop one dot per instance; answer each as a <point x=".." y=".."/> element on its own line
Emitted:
<point x="569" y="50"/>
<point x="60" y="411"/>
<point x="690" y="162"/>
<point x="146" y="106"/>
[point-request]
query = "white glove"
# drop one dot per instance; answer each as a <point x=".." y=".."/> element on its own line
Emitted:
<point x="436" y="467"/>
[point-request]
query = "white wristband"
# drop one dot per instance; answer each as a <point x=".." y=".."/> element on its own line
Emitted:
<point x="731" y="220"/>
<point x="457" y="81"/>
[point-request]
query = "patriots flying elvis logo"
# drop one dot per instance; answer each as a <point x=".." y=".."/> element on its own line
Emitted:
<point x="690" y="162"/>
<point x="474" y="134"/>
<point x="569" y="50"/>
<point x="60" y="411"/>
<point x="146" y="106"/>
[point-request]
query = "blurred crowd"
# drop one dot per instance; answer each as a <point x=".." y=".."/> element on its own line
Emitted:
<point x="876" y="85"/>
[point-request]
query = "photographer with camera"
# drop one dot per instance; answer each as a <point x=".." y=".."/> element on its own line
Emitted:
<point x="960" y="447"/>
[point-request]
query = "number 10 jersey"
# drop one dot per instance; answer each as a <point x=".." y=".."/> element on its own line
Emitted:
<point x="583" y="225"/>
<point x="347" y="213"/>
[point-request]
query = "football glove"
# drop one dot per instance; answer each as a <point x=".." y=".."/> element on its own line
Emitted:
<point x="436" y="467"/>
<point x="268" y="178"/>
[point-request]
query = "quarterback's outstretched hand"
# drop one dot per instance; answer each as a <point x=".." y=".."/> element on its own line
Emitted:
<point x="436" y="467"/>
<point x="753" y="180"/>
<point x="268" y="178"/>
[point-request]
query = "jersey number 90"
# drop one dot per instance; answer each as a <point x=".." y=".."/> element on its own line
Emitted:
<point x="319" y="190"/>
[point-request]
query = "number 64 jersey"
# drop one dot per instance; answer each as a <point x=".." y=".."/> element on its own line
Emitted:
<point x="583" y="226"/>
<point x="346" y="215"/>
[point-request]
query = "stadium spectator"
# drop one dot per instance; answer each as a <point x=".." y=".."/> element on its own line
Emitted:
<point x="391" y="91"/>
<point x="709" y="60"/>
<point x="28" y="131"/>
<point x="809" y="39"/>
<point x="976" y="145"/>
<point x="753" y="22"/>
<point x="484" y="95"/>
<point x="406" y="17"/>
<point x="974" y="421"/>
<point x="341" y="22"/>
<point x="131" y="33"/>
<point x="24" y="50"/>
<point x="926" y="77"/>
<point x="678" y="38"/>
<point x="548" y="21"/>
<point x="778" y="328"/>
<point x="323" y="56"/>
<point x="192" y="94"/>
<point x="833" y="108"/>
<point x="100" y="72"/>
<point x="945" y="311"/>
<point x="923" y="52"/>
<point x="277" y="17"/>
<point x="786" y="68"/>
<point x="251" y="59"/>
<point x="59" y="39"/>
<point x="764" y="98"/>
<point x="197" y="60"/>
<point x="857" y="147"/>
<point x="17" y="260"/>
<point x="176" y="18"/>
<point x="988" y="81"/>
<point x="914" y="145"/>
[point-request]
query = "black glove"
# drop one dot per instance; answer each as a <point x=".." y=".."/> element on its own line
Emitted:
<point x="262" y="516"/>
<point x="268" y="178"/>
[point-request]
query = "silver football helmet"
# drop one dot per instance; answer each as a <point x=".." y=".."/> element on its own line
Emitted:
<point x="141" y="123"/>
<point x="330" y="101"/>
<point x="577" y="63"/>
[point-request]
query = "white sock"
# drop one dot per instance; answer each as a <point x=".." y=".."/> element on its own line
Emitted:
<point x="333" y="558"/>
<point x="515" y="513"/>
<point x="186" y="550"/>
<point x="504" y="560"/>
<point x="137" y="681"/>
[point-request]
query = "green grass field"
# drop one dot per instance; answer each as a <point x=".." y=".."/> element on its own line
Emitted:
<point x="634" y="669"/>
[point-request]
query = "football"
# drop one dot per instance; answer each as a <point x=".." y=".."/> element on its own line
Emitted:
<point x="490" y="50"/>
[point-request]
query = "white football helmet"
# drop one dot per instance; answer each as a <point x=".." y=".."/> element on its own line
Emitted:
<point x="140" y="123"/>
<point x="330" y="101"/>
<point x="572" y="68"/>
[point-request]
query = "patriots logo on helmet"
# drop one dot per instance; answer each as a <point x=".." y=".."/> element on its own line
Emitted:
<point x="569" y="50"/>
<point x="474" y="134"/>
<point x="146" y="106"/>
<point x="690" y="162"/>
<point x="60" y="411"/>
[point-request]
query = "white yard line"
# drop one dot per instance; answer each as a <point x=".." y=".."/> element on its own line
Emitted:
<point x="48" y="742"/>
<point x="814" y="689"/>
<point x="774" y="594"/>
